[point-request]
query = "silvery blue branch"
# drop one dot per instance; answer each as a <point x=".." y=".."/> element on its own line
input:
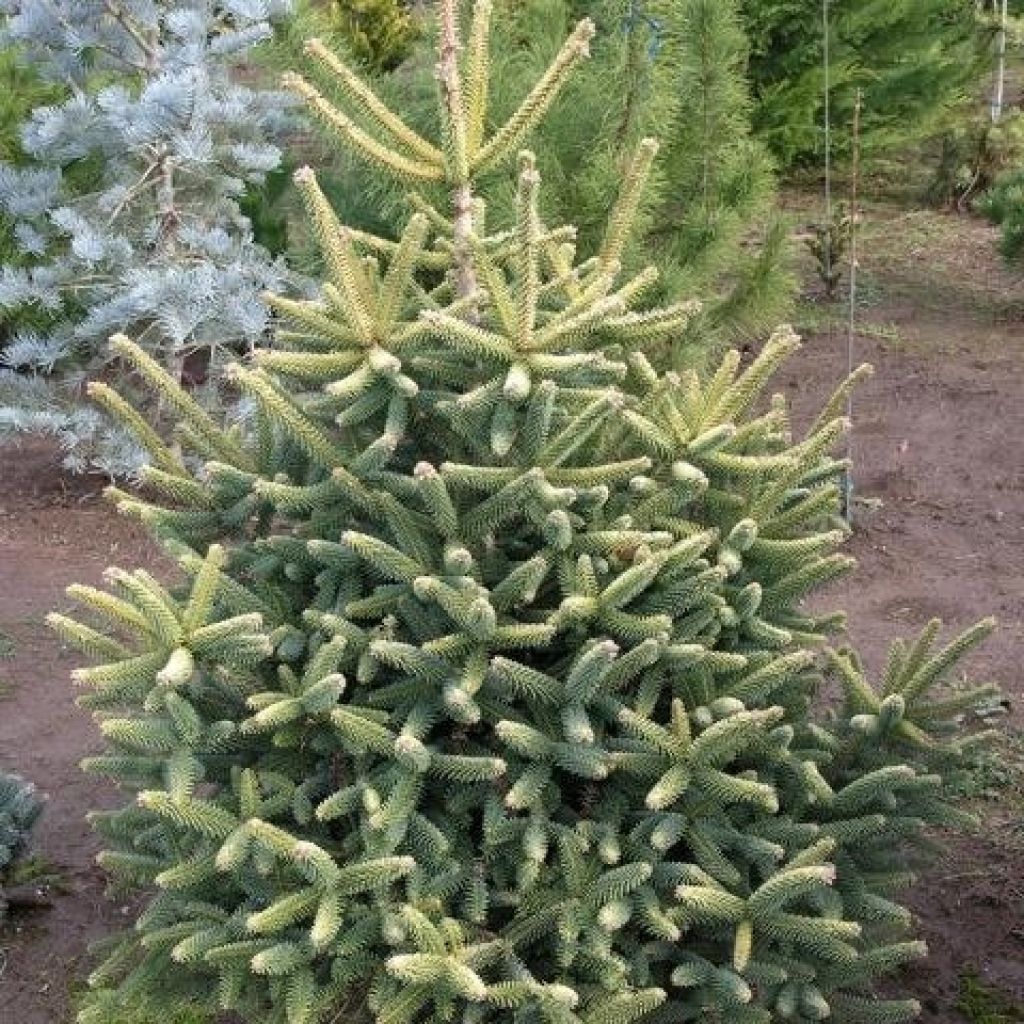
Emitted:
<point x="128" y="209"/>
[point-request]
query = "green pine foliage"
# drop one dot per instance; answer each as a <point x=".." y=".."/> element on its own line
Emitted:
<point x="491" y="695"/>
<point x="377" y="34"/>
<point x="676" y="69"/>
<point x="1004" y="205"/>
<point x="915" y="60"/>
<point x="264" y="206"/>
<point x="380" y="32"/>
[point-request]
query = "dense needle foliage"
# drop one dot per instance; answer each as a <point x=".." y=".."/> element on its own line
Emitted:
<point x="126" y="205"/>
<point x="915" y="60"/>
<point x="20" y="807"/>
<point x="490" y="694"/>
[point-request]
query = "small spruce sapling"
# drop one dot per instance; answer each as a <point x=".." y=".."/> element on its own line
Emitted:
<point x="490" y="695"/>
<point x="828" y="243"/>
<point x="20" y="807"/>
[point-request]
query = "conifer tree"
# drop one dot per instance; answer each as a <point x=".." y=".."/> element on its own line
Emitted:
<point x="914" y="60"/>
<point x="20" y="807"/>
<point x="674" y="68"/>
<point x="490" y="695"/>
<point x="129" y="210"/>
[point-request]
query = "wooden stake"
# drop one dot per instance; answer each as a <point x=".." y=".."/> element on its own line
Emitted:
<point x="827" y="67"/>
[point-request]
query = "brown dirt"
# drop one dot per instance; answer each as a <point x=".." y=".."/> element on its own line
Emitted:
<point x="934" y="441"/>
<point x="54" y="530"/>
<point x="937" y="440"/>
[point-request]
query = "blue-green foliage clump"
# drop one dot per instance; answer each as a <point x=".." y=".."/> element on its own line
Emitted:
<point x="21" y="91"/>
<point x="20" y="807"/>
<point x="491" y="694"/>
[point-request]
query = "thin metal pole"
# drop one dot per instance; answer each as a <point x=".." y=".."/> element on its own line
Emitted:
<point x="851" y="322"/>
<point x="826" y="57"/>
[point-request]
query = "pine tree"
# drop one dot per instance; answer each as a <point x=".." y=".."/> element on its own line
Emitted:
<point x="490" y="695"/>
<point x="380" y="32"/>
<point x="914" y="60"/>
<point x="675" y="68"/>
<point x="20" y="807"/>
<point x="129" y="211"/>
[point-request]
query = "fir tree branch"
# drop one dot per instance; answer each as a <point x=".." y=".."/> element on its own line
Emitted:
<point x="147" y="46"/>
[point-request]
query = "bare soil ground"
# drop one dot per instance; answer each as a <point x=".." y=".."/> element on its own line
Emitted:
<point x="937" y="441"/>
<point x="939" y="531"/>
<point x="932" y="444"/>
<point x="54" y="530"/>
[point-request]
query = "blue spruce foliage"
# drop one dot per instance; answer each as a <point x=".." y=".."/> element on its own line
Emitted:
<point x="130" y="206"/>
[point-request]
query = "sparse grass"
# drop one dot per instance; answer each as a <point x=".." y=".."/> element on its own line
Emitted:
<point x="938" y="260"/>
<point x="998" y="776"/>
<point x="8" y="649"/>
<point x="816" y="317"/>
<point x="922" y="260"/>
<point x="981" y="1003"/>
